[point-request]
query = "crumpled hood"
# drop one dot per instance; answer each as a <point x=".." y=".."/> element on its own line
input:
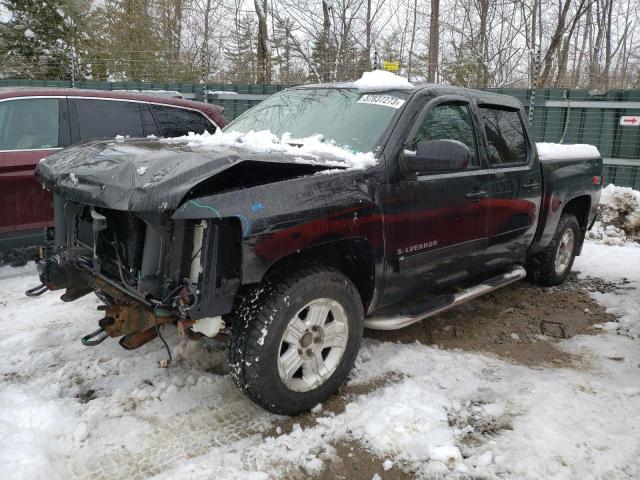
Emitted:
<point x="149" y="175"/>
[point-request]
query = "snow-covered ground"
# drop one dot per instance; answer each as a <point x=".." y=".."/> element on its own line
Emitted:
<point x="67" y="411"/>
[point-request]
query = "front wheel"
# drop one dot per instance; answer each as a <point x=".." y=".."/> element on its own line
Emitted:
<point x="552" y="265"/>
<point x="295" y="338"/>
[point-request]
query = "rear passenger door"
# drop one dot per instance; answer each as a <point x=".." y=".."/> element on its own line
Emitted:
<point x="100" y="118"/>
<point x="515" y="183"/>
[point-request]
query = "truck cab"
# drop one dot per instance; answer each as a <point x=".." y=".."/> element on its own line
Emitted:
<point x="363" y="206"/>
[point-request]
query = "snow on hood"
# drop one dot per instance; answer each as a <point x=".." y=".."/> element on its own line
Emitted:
<point x="265" y="142"/>
<point x="560" y="151"/>
<point x="382" y="80"/>
<point x="150" y="175"/>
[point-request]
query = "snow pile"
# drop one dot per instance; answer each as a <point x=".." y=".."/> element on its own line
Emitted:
<point x="620" y="265"/>
<point x="561" y="151"/>
<point x="607" y="234"/>
<point x="382" y="80"/>
<point x="307" y="150"/>
<point x="618" y="216"/>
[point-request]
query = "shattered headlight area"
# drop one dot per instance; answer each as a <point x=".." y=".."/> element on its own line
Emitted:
<point x="148" y="270"/>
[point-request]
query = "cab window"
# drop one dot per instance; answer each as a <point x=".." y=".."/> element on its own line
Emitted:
<point x="175" y="122"/>
<point x="29" y="124"/>
<point x="448" y="122"/>
<point x="506" y="141"/>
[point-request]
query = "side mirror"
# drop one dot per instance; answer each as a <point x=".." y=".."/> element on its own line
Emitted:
<point x="435" y="156"/>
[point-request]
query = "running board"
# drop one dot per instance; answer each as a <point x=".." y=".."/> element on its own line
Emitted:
<point x="403" y="317"/>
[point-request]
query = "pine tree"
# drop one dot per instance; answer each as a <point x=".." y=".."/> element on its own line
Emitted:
<point x="285" y="69"/>
<point x="39" y="37"/>
<point x="241" y="55"/>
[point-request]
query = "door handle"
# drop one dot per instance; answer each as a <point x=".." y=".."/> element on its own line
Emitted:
<point x="476" y="195"/>
<point x="531" y="186"/>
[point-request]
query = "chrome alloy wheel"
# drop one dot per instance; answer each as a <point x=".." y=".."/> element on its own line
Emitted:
<point x="564" y="251"/>
<point x="313" y="344"/>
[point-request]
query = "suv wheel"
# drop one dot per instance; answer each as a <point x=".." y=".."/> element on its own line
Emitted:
<point x="295" y="338"/>
<point x="552" y="265"/>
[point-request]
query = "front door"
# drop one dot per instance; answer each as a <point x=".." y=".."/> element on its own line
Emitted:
<point x="436" y="222"/>
<point x="30" y="129"/>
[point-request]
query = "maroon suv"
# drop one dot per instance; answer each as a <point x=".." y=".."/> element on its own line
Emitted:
<point x="37" y="122"/>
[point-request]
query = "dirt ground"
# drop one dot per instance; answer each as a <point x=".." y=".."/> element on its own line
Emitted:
<point x="506" y="323"/>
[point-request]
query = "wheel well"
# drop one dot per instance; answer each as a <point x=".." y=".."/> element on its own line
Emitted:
<point x="579" y="207"/>
<point x="354" y="258"/>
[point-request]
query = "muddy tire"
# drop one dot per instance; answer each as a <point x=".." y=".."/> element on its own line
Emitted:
<point x="295" y="338"/>
<point x="552" y="265"/>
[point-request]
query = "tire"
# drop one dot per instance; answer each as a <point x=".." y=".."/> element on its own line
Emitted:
<point x="552" y="266"/>
<point x="265" y="351"/>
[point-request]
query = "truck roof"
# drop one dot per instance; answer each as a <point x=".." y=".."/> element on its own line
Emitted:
<point x="480" y="96"/>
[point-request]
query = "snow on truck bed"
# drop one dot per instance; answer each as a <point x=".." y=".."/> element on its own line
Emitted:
<point x="563" y="151"/>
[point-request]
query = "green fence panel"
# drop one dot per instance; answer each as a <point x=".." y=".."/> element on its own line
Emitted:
<point x="619" y="145"/>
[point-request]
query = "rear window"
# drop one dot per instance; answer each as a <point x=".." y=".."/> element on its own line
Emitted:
<point x="107" y="118"/>
<point x="506" y="139"/>
<point x="176" y="122"/>
<point x="27" y="124"/>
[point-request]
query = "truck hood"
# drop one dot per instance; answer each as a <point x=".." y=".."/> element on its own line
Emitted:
<point x="149" y="175"/>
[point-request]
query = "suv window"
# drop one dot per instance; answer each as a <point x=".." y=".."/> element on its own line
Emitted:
<point x="175" y="122"/>
<point x="31" y="123"/>
<point x="506" y="139"/>
<point x="106" y="118"/>
<point x="448" y="122"/>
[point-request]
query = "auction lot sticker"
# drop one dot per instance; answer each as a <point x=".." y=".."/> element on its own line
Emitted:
<point x="384" y="100"/>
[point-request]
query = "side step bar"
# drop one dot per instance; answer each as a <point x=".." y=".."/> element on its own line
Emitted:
<point x="403" y="317"/>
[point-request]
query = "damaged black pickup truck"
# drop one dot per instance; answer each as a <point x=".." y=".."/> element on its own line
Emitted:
<point x="440" y="196"/>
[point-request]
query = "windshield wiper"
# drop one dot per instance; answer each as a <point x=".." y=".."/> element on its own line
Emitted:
<point x="300" y="144"/>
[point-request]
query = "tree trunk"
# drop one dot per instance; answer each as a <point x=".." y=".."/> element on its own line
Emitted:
<point x="263" y="75"/>
<point x="413" y="39"/>
<point x="367" y="47"/>
<point x="554" y="44"/>
<point x="325" y="69"/>
<point x="434" y="39"/>
<point x="483" y="46"/>
<point x="607" y="55"/>
<point x="563" y="56"/>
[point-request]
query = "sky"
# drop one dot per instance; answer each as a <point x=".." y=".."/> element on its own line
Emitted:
<point x="4" y="13"/>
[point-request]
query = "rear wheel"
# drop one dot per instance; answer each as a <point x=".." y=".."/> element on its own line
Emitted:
<point x="295" y="338"/>
<point x="552" y="265"/>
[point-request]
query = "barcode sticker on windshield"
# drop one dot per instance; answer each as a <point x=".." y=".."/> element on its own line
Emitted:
<point x="384" y="100"/>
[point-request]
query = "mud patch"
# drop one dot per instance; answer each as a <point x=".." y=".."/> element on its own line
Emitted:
<point x="508" y="322"/>
<point x="354" y="461"/>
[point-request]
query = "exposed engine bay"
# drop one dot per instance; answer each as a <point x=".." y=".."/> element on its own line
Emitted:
<point x="147" y="269"/>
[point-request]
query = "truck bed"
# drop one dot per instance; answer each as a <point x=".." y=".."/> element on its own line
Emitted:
<point x="570" y="173"/>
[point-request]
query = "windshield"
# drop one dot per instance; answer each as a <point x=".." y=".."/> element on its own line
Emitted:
<point x="351" y="119"/>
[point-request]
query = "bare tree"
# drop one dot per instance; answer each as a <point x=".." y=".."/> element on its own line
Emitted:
<point x="434" y="40"/>
<point x="263" y="75"/>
